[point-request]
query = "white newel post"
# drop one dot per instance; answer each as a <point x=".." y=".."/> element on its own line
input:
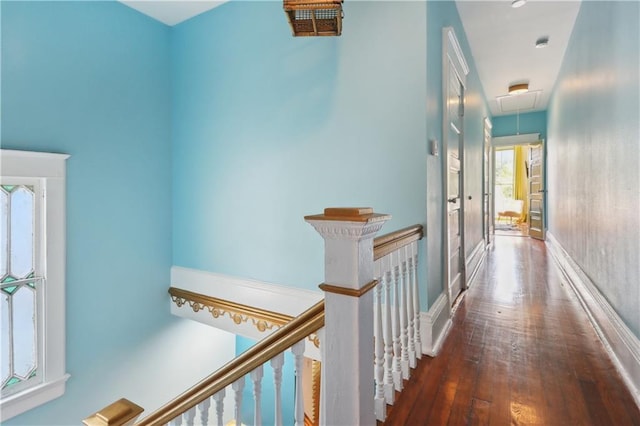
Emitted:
<point x="347" y="350"/>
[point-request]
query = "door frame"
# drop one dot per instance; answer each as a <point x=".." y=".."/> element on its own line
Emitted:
<point x="542" y="193"/>
<point x="526" y="139"/>
<point x="452" y="57"/>
<point x="489" y="173"/>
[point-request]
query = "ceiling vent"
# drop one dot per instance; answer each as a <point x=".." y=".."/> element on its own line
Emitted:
<point x="525" y="102"/>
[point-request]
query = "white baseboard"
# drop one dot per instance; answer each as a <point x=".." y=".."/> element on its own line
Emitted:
<point x="621" y="344"/>
<point x="474" y="262"/>
<point x="435" y="325"/>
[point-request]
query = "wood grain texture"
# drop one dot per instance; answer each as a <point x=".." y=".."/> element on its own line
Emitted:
<point x="521" y="352"/>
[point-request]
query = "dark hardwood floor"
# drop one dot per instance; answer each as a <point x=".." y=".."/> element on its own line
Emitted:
<point x="521" y="352"/>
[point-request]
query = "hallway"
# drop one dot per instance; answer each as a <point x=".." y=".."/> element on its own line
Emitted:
<point x="521" y="351"/>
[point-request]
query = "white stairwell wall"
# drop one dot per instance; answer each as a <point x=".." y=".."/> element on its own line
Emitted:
<point x="290" y="301"/>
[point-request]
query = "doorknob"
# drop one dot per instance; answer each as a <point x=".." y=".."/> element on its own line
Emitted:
<point x="452" y="200"/>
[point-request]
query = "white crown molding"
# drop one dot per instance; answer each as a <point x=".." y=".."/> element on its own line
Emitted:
<point x="621" y="344"/>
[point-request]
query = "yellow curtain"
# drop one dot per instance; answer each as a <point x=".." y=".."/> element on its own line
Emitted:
<point x="520" y="179"/>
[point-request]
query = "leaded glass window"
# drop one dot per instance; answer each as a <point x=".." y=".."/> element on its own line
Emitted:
<point x="32" y="279"/>
<point x="19" y="286"/>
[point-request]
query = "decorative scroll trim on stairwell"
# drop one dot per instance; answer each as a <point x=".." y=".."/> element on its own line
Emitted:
<point x="262" y="319"/>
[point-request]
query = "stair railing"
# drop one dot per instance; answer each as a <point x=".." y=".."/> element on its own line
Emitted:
<point x="197" y="399"/>
<point x="396" y="313"/>
<point x="355" y="264"/>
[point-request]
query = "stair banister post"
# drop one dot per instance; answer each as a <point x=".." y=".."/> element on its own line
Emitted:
<point x="347" y="388"/>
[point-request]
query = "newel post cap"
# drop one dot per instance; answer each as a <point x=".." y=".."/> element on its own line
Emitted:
<point x="347" y="223"/>
<point x="121" y="413"/>
<point x="349" y="214"/>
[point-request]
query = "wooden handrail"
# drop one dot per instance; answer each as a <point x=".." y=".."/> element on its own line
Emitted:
<point x="385" y="244"/>
<point x="282" y="339"/>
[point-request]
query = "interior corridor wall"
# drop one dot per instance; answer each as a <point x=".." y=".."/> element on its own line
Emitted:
<point x="593" y="152"/>
<point x="442" y="14"/>
<point x="268" y="128"/>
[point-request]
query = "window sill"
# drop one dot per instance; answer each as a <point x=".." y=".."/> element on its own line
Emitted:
<point x="30" y="398"/>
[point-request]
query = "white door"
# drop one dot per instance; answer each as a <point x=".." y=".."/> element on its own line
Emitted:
<point x="487" y="201"/>
<point x="454" y="186"/>
<point x="536" y="192"/>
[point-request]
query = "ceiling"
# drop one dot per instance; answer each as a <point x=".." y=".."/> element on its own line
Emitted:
<point x="502" y="41"/>
<point x="172" y="12"/>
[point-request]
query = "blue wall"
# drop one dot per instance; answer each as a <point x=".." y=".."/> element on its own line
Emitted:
<point x="268" y="128"/>
<point x="593" y="152"/>
<point x="92" y="79"/>
<point x="442" y="14"/>
<point x="243" y="129"/>
<point x="530" y="122"/>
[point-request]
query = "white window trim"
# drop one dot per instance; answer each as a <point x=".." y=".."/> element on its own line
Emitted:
<point x="50" y="170"/>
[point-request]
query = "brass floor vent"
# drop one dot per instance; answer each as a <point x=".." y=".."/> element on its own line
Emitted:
<point x="314" y="18"/>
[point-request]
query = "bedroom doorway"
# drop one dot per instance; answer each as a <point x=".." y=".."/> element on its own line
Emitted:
<point x="511" y="190"/>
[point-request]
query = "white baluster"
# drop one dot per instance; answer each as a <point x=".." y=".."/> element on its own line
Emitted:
<point x="404" y="339"/>
<point x="389" y="389"/>
<point x="397" y="354"/>
<point x="219" y="399"/>
<point x="277" y="363"/>
<point x="416" y="299"/>
<point x="409" y="297"/>
<point x="238" y="387"/>
<point x="380" y="404"/>
<point x="256" y="377"/>
<point x="176" y="422"/>
<point x="204" y="411"/>
<point x="190" y="416"/>
<point x="298" y="353"/>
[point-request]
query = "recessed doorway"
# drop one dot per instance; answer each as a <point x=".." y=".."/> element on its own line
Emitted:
<point x="511" y="190"/>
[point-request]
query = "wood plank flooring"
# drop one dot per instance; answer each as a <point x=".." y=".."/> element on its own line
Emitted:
<point x="521" y="352"/>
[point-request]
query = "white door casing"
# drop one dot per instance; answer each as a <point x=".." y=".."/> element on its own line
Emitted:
<point x="535" y="215"/>
<point x="454" y="72"/>
<point x="487" y="200"/>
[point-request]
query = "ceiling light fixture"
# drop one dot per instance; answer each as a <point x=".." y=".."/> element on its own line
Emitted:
<point x="542" y="42"/>
<point x="518" y="3"/>
<point x="516" y="89"/>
